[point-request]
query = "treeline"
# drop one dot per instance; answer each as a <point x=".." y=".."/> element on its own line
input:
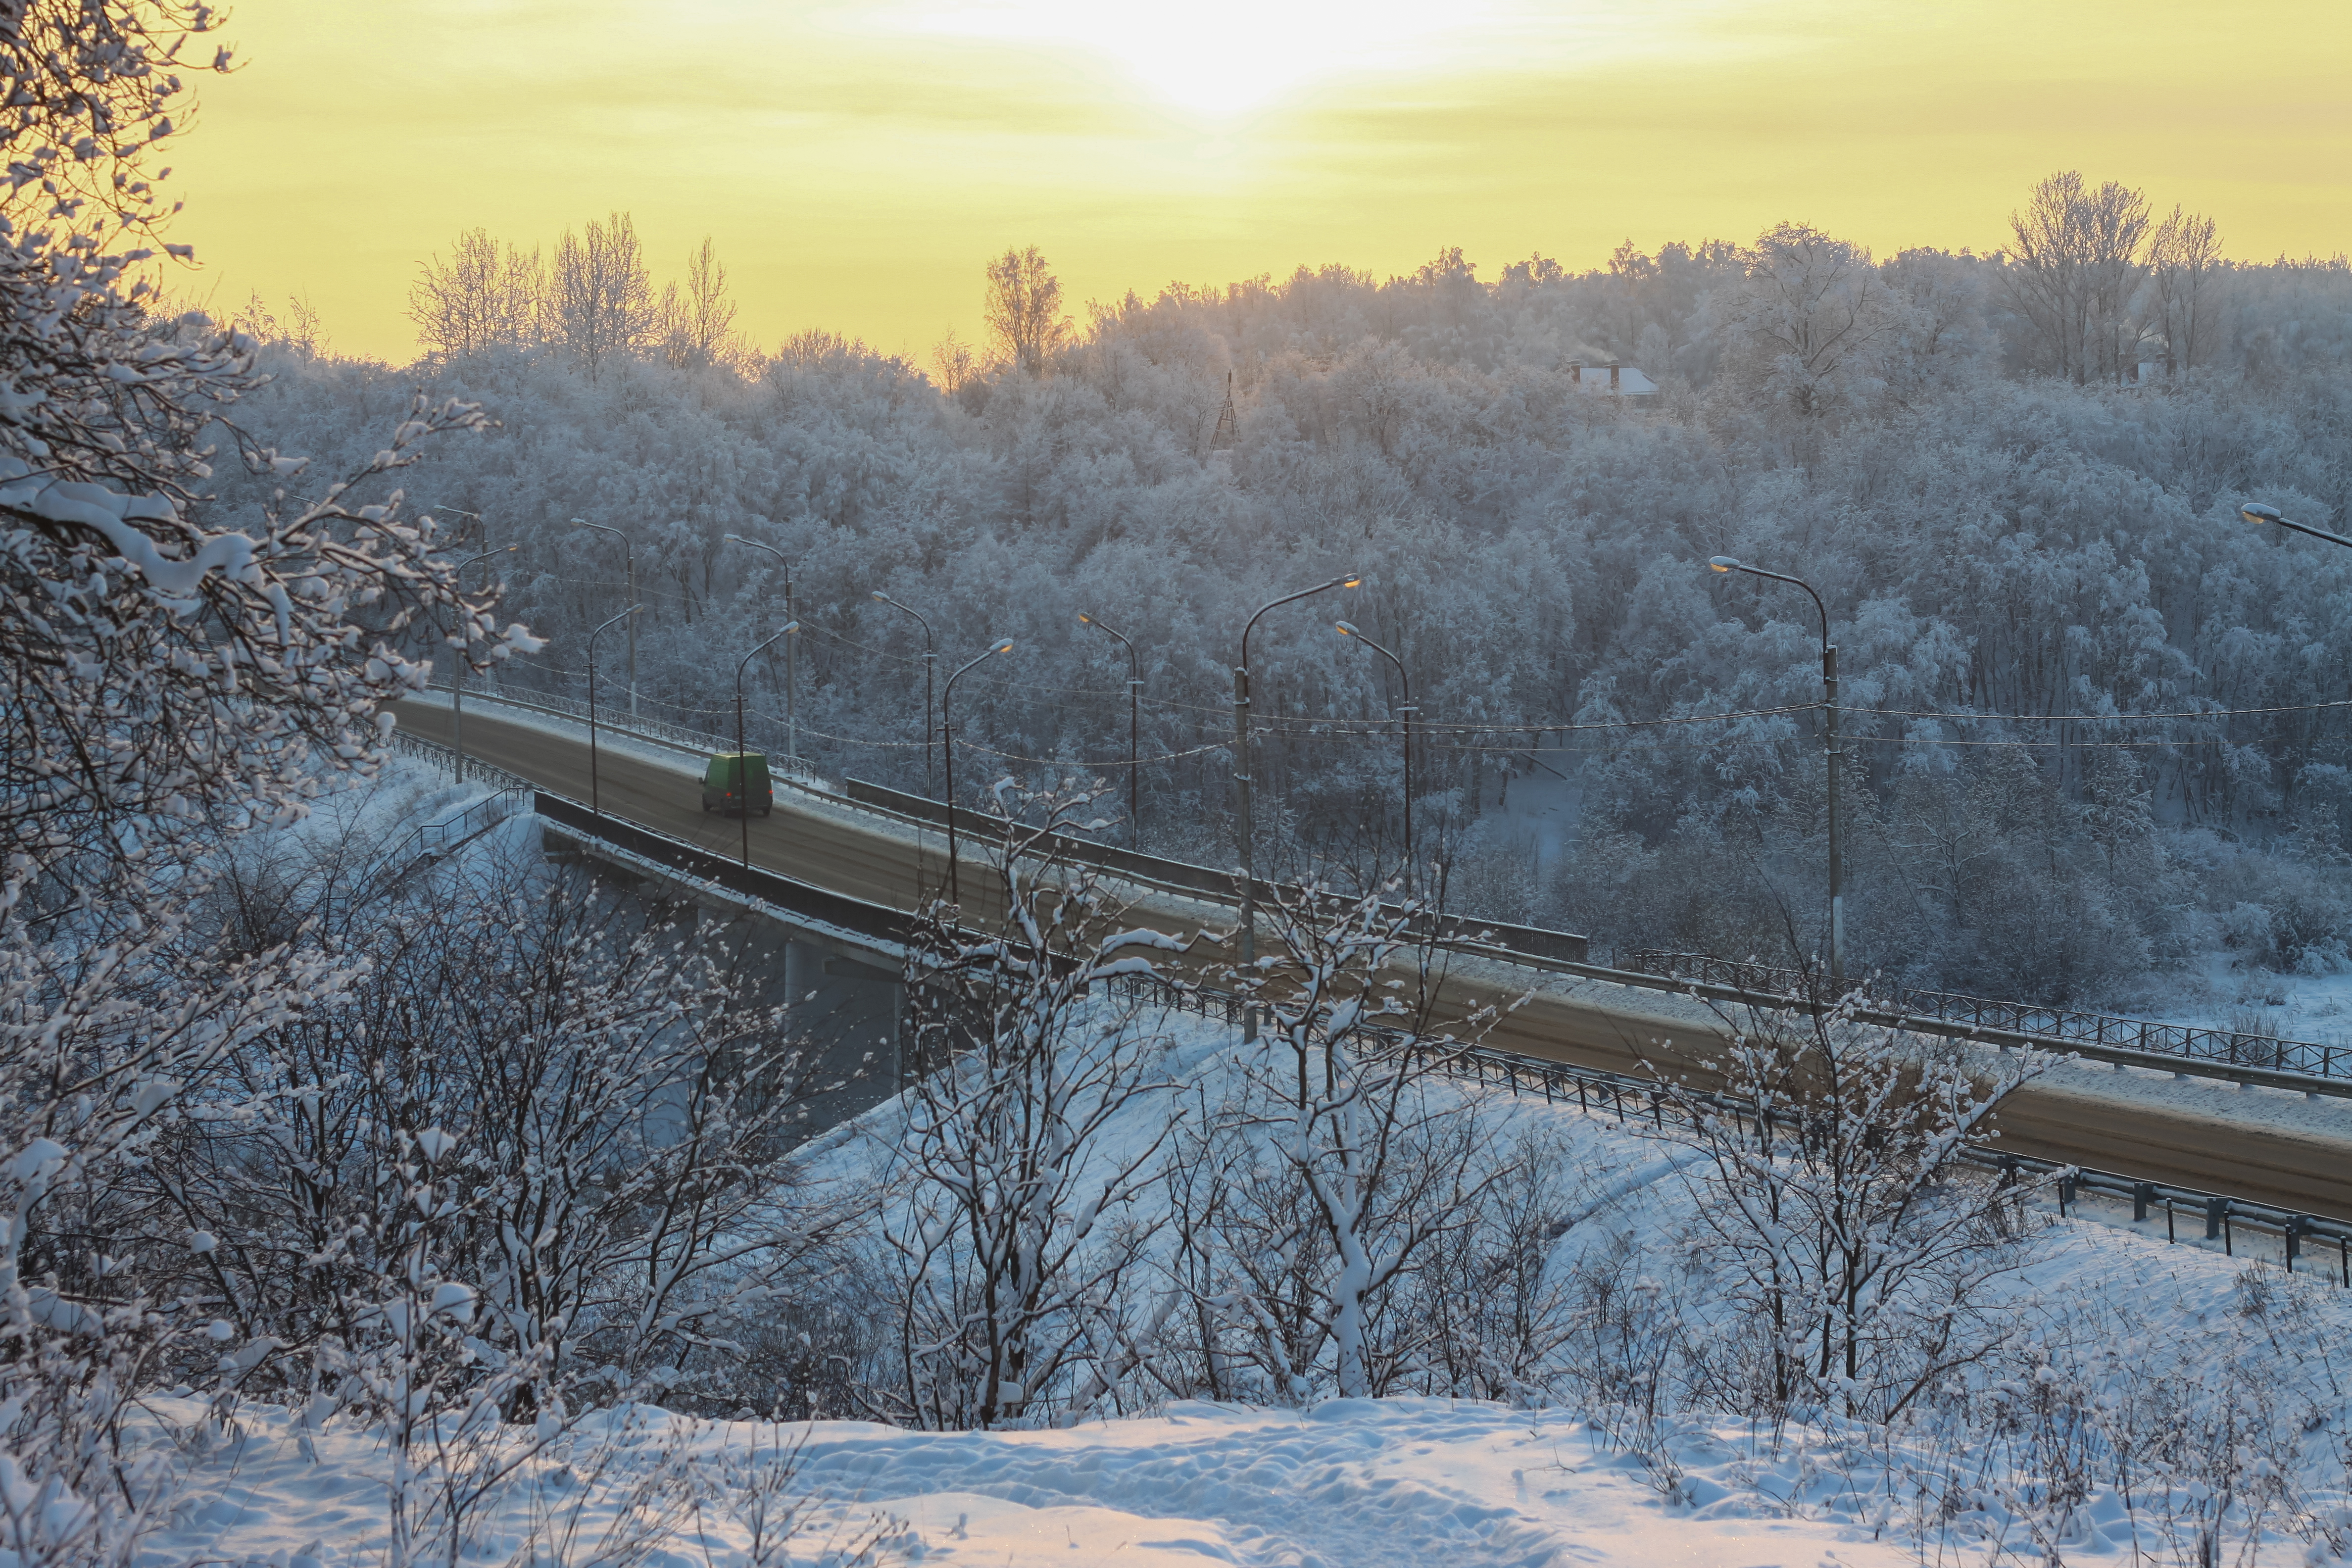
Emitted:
<point x="2027" y="549"/>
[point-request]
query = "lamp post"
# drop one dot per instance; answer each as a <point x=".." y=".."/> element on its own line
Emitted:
<point x="1836" y="757"/>
<point x="1242" y="824"/>
<point x="630" y="551"/>
<point x="2255" y="512"/>
<point x="791" y="652"/>
<point x="596" y="801"/>
<point x="1134" y="730"/>
<point x="1407" y="711"/>
<point x="742" y="769"/>
<point x="947" y="745"/>
<point x="930" y="668"/>
<point x="457" y="681"/>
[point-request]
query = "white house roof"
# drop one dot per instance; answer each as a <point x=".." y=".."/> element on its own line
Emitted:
<point x="1631" y="381"/>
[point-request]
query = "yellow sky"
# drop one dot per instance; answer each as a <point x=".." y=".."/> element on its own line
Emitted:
<point x="856" y="161"/>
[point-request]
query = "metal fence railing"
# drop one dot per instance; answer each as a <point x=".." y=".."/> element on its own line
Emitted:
<point x="2065" y="1025"/>
<point x="424" y="750"/>
<point x="1596" y="1091"/>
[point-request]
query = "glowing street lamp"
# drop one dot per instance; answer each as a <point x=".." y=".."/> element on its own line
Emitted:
<point x="457" y="681"/>
<point x="743" y="768"/>
<point x="596" y="801"/>
<point x="630" y="551"/>
<point x="2255" y="512"/>
<point x="931" y="666"/>
<point x="791" y="650"/>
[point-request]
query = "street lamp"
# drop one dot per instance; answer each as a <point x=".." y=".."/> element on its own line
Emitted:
<point x="2255" y="512"/>
<point x="1242" y="826"/>
<point x="457" y="681"/>
<point x="630" y="550"/>
<point x="947" y="745"/>
<point x="1836" y="757"/>
<point x="931" y="666"/>
<point x="1348" y="629"/>
<point x="596" y="801"/>
<point x="791" y="651"/>
<point x="743" y="768"/>
<point x="1134" y="729"/>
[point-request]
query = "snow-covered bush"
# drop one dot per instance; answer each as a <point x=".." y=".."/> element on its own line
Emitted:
<point x="1830" y="1189"/>
<point x="1014" y="1223"/>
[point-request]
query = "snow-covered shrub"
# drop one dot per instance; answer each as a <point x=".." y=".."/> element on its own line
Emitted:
<point x="1015" y="1229"/>
<point x="1832" y="1195"/>
<point x="118" y="1027"/>
<point x="620" y="1113"/>
<point x="1319" y="1189"/>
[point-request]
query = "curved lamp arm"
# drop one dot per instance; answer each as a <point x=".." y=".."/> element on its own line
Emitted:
<point x="2255" y="512"/>
<point x="1351" y="580"/>
<point x="1725" y="563"/>
<point x="880" y="597"/>
<point x="789" y="628"/>
<point x="1134" y="665"/>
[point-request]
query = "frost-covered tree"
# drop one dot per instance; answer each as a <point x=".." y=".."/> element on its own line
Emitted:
<point x="600" y="303"/>
<point x="486" y="295"/>
<point x="1344" y="1161"/>
<point x="1022" y="308"/>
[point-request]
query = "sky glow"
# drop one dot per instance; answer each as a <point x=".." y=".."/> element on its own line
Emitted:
<point x="856" y="161"/>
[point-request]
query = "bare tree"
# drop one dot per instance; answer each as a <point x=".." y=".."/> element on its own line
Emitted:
<point x="2184" y="265"/>
<point x="952" y="359"/>
<point x="1807" y="317"/>
<point x="2079" y="261"/>
<point x="485" y="296"/>
<point x="698" y="326"/>
<point x="600" y="301"/>
<point x="1022" y="308"/>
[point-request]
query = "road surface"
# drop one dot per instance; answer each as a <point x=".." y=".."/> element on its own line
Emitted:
<point x="2306" y="1173"/>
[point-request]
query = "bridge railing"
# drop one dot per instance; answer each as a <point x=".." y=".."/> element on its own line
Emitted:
<point x="2066" y="1024"/>
<point x="2308" y="1066"/>
<point x="686" y="737"/>
<point x="1596" y="1091"/>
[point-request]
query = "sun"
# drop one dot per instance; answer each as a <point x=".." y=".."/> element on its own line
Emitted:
<point x="1220" y="57"/>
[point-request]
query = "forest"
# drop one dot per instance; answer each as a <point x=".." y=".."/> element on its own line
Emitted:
<point x="2089" y="712"/>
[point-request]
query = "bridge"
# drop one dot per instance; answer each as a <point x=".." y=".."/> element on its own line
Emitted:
<point x="880" y="855"/>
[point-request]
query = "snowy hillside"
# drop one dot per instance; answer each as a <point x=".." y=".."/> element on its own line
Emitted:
<point x="2063" y="1440"/>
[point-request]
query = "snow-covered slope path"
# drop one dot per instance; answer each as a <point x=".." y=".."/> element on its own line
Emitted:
<point x="1393" y="1484"/>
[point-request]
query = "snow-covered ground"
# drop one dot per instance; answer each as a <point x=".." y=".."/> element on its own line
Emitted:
<point x="1347" y="1484"/>
<point x="1364" y="1484"/>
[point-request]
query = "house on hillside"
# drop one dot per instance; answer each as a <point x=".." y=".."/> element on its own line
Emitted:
<point x="1613" y="380"/>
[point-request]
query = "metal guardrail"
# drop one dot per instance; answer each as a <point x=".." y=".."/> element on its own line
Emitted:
<point x="442" y="756"/>
<point x="683" y="736"/>
<point x="1208" y="882"/>
<point x="2065" y="1025"/>
<point x="1597" y="1091"/>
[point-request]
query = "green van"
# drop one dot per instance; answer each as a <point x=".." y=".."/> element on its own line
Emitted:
<point x="737" y="780"/>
